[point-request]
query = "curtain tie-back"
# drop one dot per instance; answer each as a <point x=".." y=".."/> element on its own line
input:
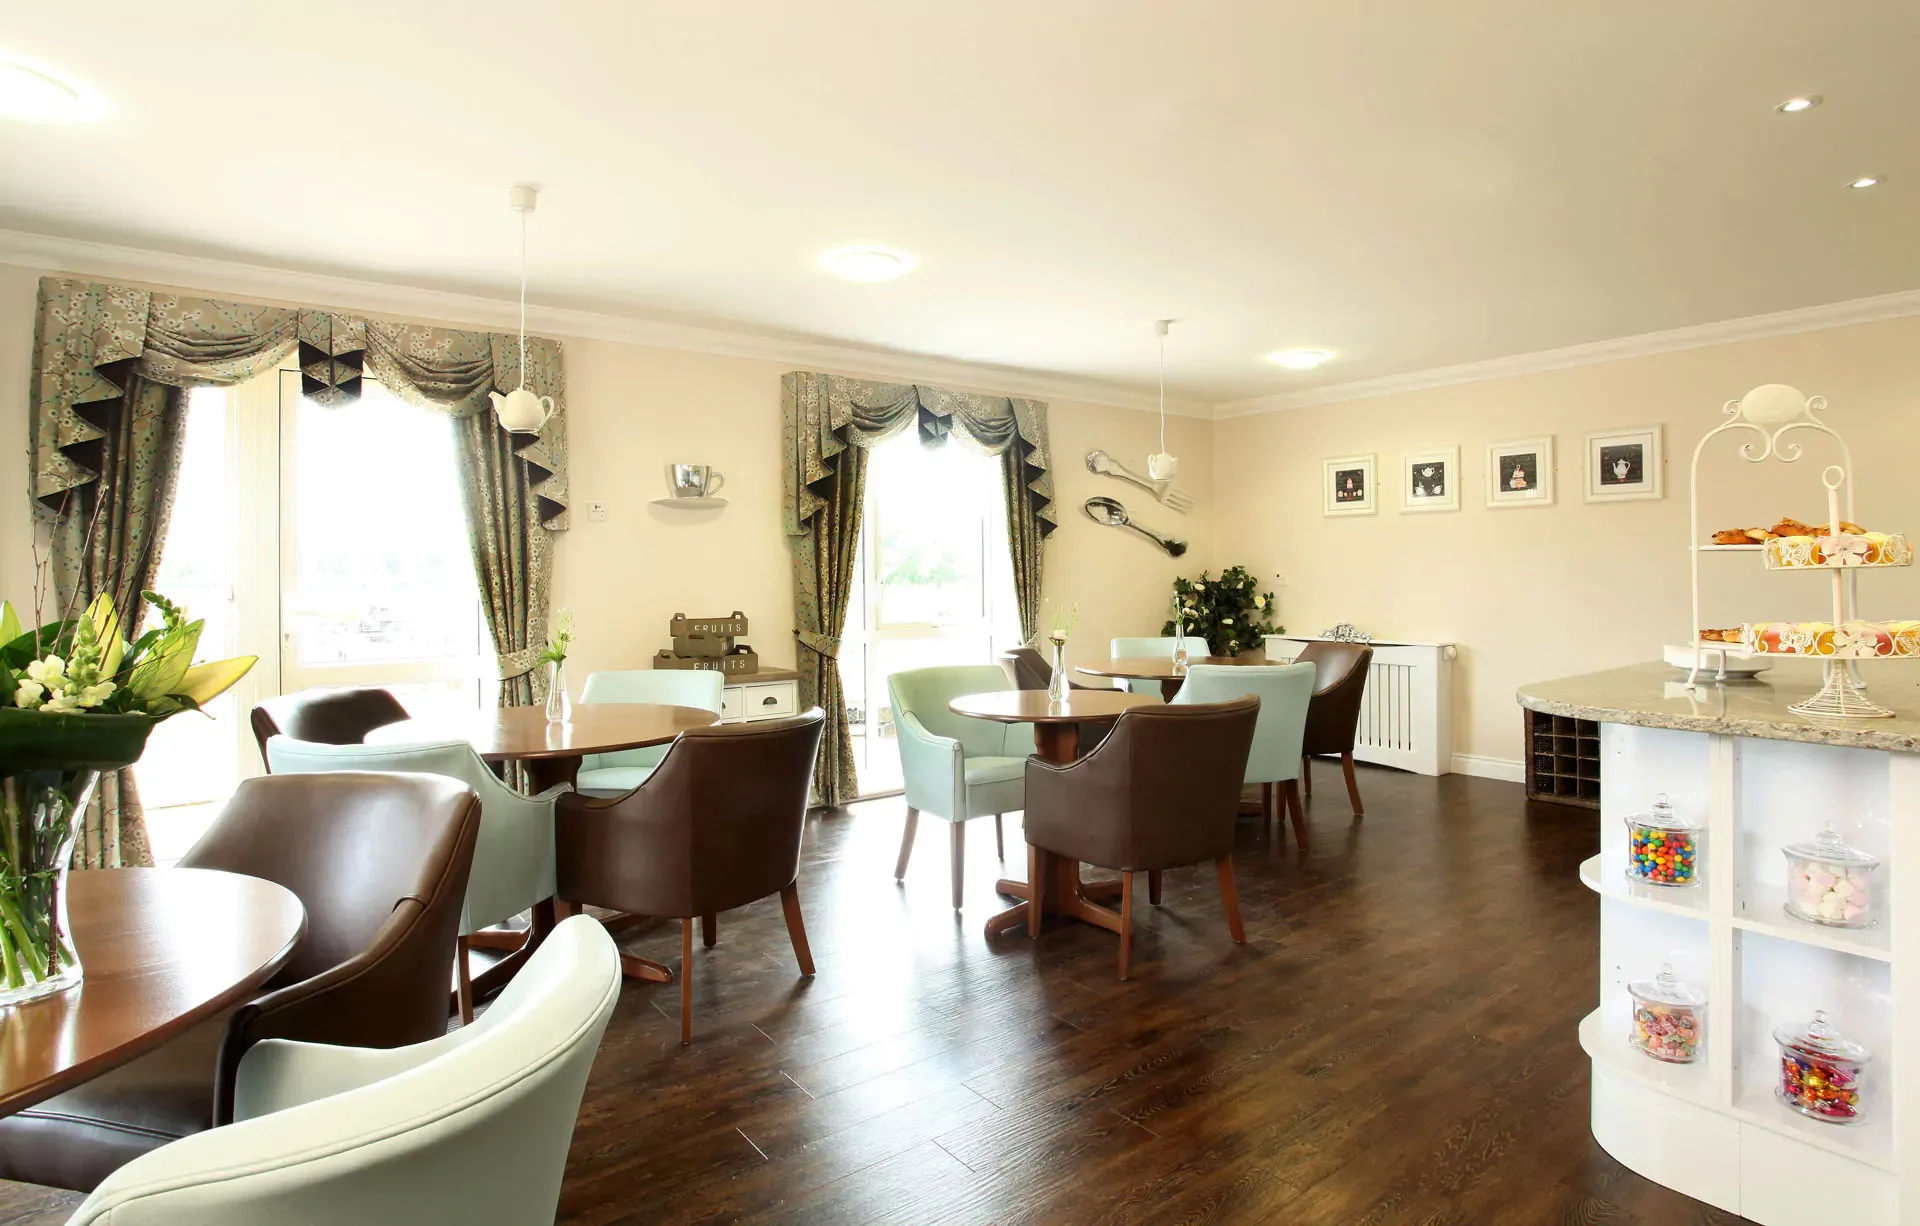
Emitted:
<point x="820" y="644"/>
<point x="519" y="663"/>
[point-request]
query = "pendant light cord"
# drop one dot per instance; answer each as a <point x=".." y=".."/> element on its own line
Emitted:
<point x="1163" y="380"/>
<point x="523" y="307"/>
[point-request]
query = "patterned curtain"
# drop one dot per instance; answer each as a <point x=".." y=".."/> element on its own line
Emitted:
<point x="828" y="422"/>
<point x="111" y="366"/>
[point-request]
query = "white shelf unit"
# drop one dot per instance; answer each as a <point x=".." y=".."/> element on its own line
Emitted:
<point x="1714" y="1129"/>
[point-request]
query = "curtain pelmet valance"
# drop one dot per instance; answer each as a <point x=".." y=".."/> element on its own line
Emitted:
<point x="94" y="339"/>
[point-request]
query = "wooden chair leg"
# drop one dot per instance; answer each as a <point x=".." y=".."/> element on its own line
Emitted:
<point x="1038" y="865"/>
<point x="1266" y="803"/>
<point x="686" y="981"/>
<point x="906" y="844"/>
<point x="1353" y="785"/>
<point x="1290" y="792"/>
<point x="463" y="980"/>
<point x="1306" y="774"/>
<point x="1230" y="899"/>
<point x="1126" y="923"/>
<point x="564" y="909"/>
<point x="958" y="837"/>
<point x="796" y="927"/>
<point x="999" y="838"/>
<point x="1153" y="886"/>
<point x="709" y="929"/>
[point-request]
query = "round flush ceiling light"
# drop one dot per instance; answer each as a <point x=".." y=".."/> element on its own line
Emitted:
<point x="1865" y="181"/>
<point x="867" y="263"/>
<point x="1793" y="106"/>
<point x="1299" y="359"/>
<point x="37" y="96"/>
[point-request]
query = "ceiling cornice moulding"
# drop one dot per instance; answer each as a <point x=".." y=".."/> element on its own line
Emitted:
<point x="83" y="258"/>
<point x="1699" y="336"/>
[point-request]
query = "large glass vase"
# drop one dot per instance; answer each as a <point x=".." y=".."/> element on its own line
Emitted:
<point x="41" y="811"/>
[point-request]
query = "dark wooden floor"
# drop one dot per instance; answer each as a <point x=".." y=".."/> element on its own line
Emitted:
<point x="1395" y="1043"/>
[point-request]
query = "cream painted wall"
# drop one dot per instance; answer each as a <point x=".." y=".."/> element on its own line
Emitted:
<point x="635" y="409"/>
<point x="1530" y="594"/>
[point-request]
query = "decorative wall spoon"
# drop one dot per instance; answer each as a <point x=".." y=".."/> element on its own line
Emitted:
<point x="1109" y="512"/>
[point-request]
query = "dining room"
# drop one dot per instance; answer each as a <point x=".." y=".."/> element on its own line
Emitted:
<point x="1054" y="623"/>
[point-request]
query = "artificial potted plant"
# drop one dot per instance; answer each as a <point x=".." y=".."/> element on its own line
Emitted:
<point x="1229" y="614"/>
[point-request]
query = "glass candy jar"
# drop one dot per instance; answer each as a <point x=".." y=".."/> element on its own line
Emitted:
<point x="1663" y="848"/>
<point x="1827" y="881"/>
<point x="1669" y="1018"/>
<point x="1820" y="1071"/>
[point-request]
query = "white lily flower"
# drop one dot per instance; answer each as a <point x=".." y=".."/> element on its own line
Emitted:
<point x="50" y="672"/>
<point x="28" y="695"/>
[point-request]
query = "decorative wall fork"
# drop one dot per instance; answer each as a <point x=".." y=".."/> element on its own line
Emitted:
<point x="1169" y="494"/>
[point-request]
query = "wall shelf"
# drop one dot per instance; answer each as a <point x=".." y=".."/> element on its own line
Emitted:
<point x="690" y="504"/>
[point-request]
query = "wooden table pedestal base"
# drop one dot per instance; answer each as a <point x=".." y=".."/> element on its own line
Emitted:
<point x="1062" y="893"/>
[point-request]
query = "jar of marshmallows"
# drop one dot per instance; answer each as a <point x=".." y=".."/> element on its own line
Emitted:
<point x="1669" y="1018"/>
<point x="1827" y="881"/>
<point x="1663" y="848"/>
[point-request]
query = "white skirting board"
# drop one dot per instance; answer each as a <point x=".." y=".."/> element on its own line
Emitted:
<point x="1490" y="768"/>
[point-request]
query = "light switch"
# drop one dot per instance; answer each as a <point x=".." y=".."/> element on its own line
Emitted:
<point x="597" y="512"/>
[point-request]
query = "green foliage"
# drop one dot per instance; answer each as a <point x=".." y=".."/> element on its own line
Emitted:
<point x="560" y="642"/>
<point x="1228" y="612"/>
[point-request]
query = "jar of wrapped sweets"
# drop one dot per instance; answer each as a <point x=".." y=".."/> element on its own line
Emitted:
<point x="1820" y="1071"/>
<point x="1663" y="848"/>
<point x="1827" y="881"/>
<point x="1669" y="1018"/>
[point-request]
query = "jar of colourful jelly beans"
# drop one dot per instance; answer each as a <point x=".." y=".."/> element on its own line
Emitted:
<point x="1827" y="881"/>
<point x="1663" y="848"/>
<point x="1669" y="1018"/>
<point x="1820" y="1071"/>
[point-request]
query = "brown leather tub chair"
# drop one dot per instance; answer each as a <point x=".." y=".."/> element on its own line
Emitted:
<point x="716" y="826"/>
<point x="1333" y="717"/>
<point x="380" y="863"/>
<point x="1161" y="792"/>
<point x="340" y="716"/>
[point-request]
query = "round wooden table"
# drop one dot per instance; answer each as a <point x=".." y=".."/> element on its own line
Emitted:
<point x="1056" y="737"/>
<point x="552" y="754"/>
<point x="163" y="949"/>
<point x="1162" y="669"/>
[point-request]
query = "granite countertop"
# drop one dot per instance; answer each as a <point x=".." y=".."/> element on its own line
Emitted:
<point x="1656" y="696"/>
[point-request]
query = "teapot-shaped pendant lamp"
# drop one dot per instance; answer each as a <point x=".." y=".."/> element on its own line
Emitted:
<point x="520" y="411"/>
<point x="1160" y="465"/>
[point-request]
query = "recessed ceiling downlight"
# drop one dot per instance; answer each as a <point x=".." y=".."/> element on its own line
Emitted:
<point x="1865" y="181"/>
<point x="1794" y="106"/>
<point x="867" y="263"/>
<point x="36" y="96"/>
<point x="1299" y="359"/>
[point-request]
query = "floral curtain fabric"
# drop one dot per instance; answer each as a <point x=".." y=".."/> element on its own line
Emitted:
<point x="822" y="418"/>
<point x="105" y="429"/>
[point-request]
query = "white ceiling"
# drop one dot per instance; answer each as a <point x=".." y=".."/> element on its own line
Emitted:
<point x="1408" y="183"/>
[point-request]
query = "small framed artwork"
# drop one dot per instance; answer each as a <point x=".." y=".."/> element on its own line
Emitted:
<point x="1624" y="464"/>
<point x="1430" y="480"/>
<point x="1520" y="473"/>
<point x="1348" y="483"/>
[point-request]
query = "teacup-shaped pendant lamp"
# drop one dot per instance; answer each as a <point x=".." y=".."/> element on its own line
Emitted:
<point x="520" y="411"/>
<point x="1160" y="465"/>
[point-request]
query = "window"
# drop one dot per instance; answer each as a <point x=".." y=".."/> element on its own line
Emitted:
<point x="377" y="582"/>
<point x="934" y="584"/>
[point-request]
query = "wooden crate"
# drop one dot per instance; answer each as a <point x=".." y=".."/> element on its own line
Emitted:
<point x="1563" y="759"/>
<point x="683" y="626"/>
<point x="739" y="662"/>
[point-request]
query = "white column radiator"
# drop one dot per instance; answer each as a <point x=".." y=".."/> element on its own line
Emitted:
<point x="1406" y="713"/>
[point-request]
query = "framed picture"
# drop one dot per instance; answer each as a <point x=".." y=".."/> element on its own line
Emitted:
<point x="1430" y="480"/>
<point x="1624" y="464"/>
<point x="1348" y="483"/>
<point x="1520" y="473"/>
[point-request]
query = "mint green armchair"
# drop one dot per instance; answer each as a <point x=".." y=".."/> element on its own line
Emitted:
<point x="956" y="767"/>
<point x="513" y="864"/>
<point x="1279" y="731"/>
<point x="1119" y="649"/>
<point x="616" y="774"/>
